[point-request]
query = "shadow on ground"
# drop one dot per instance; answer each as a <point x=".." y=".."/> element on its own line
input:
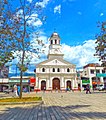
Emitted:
<point x="99" y="92"/>
<point x="40" y="112"/>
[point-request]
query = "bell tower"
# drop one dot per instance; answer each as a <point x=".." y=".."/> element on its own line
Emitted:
<point x="55" y="47"/>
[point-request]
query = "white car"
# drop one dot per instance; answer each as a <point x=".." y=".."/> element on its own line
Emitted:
<point x="100" y="87"/>
<point x="7" y="90"/>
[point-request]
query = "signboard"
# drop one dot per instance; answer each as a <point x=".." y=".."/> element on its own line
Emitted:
<point x="24" y="81"/>
<point x="4" y="80"/>
<point x="85" y="81"/>
<point x="32" y="81"/>
<point x="101" y="75"/>
<point x="4" y="71"/>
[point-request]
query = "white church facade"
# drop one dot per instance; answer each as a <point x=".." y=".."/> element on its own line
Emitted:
<point x="55" y="73"/>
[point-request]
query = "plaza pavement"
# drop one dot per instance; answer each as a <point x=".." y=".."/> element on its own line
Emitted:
<point x="58" y="106"/>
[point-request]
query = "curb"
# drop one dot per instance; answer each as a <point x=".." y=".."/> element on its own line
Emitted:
<point x="19" y="103"/>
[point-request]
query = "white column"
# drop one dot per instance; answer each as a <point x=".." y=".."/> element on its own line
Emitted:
<point x="36" y="84"/>
<point x="50" y="82"/>
<point x="91" y="82"/>
<point x="81" y="84"/>
<point x="47" y="84"/>
<point x="101" y="80"/>
<point x="62" y="82"/>
<point x="39" y="84"/>
<point x="73" y="84"/>
<point x="65" y="81"/>
<point x="50" y="79"/>
<point x="53" y="41"/>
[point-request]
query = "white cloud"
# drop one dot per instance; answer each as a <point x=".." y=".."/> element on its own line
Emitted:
<point x="43" y="3"/>
<point x="19" y="12"/>
<point x="57" y="9"/>
<point x="80" y="13"/>
<point x="29" y="1"/>
<point x="31" y="20"/>
<point x="34" y="20"/>
<point x="34" y="59"/>
<point x="101" y="14"/>
<point x="69" y="0"/>
<point x="43" y="49"/>
<point x="37" y="23"/>
<point x="80" y="55"/>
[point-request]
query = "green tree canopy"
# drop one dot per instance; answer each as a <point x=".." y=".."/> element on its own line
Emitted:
<point x="16" y="30"/>
<point x="101" y="44"/>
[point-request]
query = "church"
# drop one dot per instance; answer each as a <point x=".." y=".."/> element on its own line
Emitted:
<point x="55" y="73"/>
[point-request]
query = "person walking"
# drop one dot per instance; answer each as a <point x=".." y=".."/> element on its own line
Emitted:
<point x="15" y="90"/>
<point x="18" y="90"/>
<point x="88" y="89"/>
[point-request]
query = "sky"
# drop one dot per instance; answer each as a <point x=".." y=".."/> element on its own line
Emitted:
<point x="76" y="23"/>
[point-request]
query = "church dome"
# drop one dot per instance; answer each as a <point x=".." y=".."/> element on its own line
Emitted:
<point x="55" y="34"/>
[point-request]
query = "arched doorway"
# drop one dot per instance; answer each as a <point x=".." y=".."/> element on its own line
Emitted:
<point x="56" y="84"/>
<point x="43" y="85"/>
<point x="69" y="85"/>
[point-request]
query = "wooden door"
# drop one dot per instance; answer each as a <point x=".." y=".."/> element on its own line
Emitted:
<point x="56" y="84"/>
<point x="69" y="84"/>
<point x="43" y="85"/>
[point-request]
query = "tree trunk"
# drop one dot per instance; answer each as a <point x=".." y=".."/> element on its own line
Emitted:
<point x="21" y="75"/>
<point x="21" y="87"/>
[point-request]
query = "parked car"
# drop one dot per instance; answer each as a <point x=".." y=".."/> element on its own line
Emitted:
<point x="100" y="87"/>
<point x="7" y="90"/>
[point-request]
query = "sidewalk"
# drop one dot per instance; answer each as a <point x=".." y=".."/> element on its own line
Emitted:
<point x="59" y="106"/>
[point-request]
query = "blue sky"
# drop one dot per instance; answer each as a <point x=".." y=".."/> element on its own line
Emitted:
<point x="76" y="23"/>
<point x="75" y="20"/>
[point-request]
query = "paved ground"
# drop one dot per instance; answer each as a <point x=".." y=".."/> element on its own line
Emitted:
<point x="59" y="106"/>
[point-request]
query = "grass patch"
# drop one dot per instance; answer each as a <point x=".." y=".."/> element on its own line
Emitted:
<point x="24" y="99"/>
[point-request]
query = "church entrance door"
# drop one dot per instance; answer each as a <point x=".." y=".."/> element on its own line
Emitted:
<point x="56" y="84"/>
<point x="43" y="85"/>
<point x="69" y="85"/>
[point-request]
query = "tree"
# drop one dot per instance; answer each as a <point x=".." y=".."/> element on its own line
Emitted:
<point x="6" y="53"/>
<point x="22" y="27"/>
<point x="101" y="44"/>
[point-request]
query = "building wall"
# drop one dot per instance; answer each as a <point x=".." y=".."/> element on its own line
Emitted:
<point x="49" y="75"/>
<point x="87" y="72"/>
<point x="55" y="61"/>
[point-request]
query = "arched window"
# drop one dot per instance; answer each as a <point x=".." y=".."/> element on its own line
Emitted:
<point x="58" y="70"/>
<point x="53" y="69"/>
<point x="51" y="41"/>
<point x="68" y="70"/>
<point x="55" y="41"/>
<point x="43" y="69"/>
